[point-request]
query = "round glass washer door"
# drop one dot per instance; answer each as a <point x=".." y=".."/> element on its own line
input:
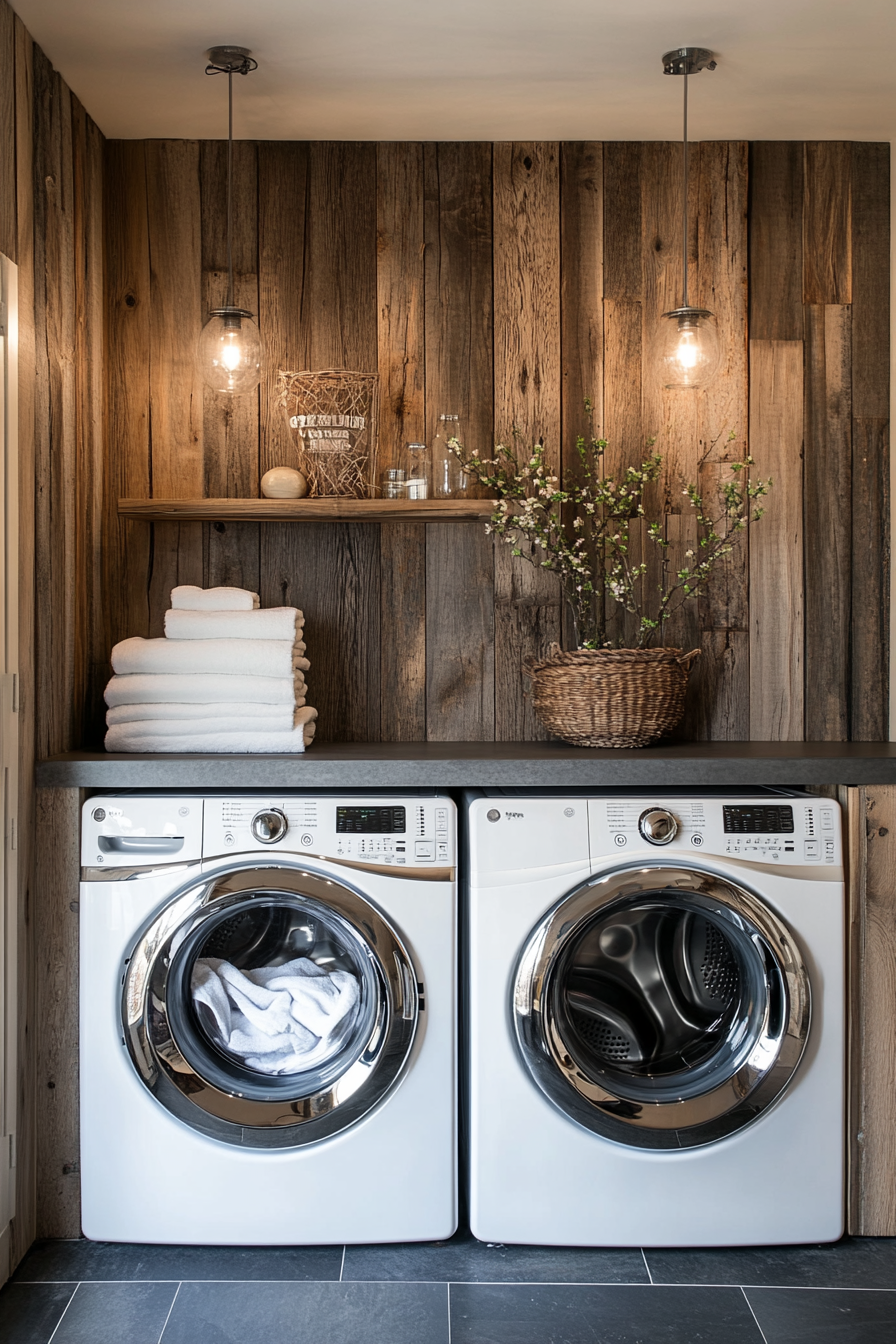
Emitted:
<point x="662" y="1008"/>
<point x="270" y="1007"/>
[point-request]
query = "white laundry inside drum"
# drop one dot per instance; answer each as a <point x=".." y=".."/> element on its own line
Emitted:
<point x="280" y="1019"/>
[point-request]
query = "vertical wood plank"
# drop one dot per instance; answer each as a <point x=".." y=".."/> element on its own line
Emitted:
<point x="230" y="425"/>
<point x="56" y="944"/>
<point x="55" y="410"/>
<point x="331" y="571"/>
<point x="776" y="240"/>
<point x="869" y="680"/>
<point x="457" y="180"/>
<point x="623" y="333"/>
<point x="719" y="283"/>
<point x="827" y="520"/>
<point x="776" y="549"/>
<point x="339" y="312"/>
<point x="24" y="1226"/>
<point x="670" y="415"/>
<point x="126" y="544"/>
<point x="9" y="241"/>
<point x="282" y="211"/>
<point x="827" y="232"/>
<point x="869" y="639"/>
<point x="873" y="1132"/>
<point x="460" y="646"/>
<point x="175" y="391"/>
<point x="400" y="308"/>
<point x="581" y="295"/>
<point x="527" y="403"/>
<point x="401" y="360"/>
<point x="623" y="272"/>
<point x="403" y="632"/>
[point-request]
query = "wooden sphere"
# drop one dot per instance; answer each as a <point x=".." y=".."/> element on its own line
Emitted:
<point x="283" y="483"/>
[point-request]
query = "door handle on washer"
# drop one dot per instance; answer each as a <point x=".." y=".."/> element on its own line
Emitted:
<point x="141" y="844"/>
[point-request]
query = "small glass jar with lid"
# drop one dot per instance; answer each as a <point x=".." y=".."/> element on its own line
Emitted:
<point x="449" y="480"/>
<point x="418" y="471"/>
<point x="393" y="483"/>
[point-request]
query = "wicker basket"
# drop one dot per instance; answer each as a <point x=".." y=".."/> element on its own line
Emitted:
<point x="610" y="697"/>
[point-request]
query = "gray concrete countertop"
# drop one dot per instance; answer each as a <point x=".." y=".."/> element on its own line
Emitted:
<point x="353" y="765"/>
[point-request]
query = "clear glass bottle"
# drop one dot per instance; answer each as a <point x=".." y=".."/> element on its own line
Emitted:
<point x="418" y="471"/>
<point x="449" y="480"/>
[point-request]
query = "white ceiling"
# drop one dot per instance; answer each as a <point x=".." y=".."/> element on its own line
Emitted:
<point x="477" y="69"/>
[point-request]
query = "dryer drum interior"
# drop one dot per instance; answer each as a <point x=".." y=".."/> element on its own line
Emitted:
<point x="662" y="1013"/>
<point x="270" y="1008"/>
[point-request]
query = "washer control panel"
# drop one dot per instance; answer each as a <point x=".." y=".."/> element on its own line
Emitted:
<point x="378" y="832"/>
<point x="797" y="832"/>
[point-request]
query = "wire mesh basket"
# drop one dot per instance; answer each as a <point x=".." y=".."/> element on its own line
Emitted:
<point x="332" y="415"/>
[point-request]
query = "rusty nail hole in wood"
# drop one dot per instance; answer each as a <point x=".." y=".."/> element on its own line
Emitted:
<point x="51" y="1086"/>
<point x="70" y="1168"/>
<point x="219" y="527"/>
<point x="884" y="830"/>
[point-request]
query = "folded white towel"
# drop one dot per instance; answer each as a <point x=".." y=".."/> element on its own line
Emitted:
<point x="141" y="737"/>
<point x="276" y="1019"/>
<point x="144" y="688"/>
<point x="278" y="720"/>
<point x="189" y="598"/>
<point x="241" y="657"/>
<point x="272" y="623"/>
<point x="260" y="717"/>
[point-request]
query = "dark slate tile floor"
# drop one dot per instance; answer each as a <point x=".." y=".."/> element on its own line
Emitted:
<point x="455" y="1292"/>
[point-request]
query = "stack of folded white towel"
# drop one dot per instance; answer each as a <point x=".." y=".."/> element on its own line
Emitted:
<point x="227" y="677"/>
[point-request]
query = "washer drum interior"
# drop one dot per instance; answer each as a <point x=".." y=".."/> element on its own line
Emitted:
<point x="662" y="1007"/>
<point x="255" y="919"/>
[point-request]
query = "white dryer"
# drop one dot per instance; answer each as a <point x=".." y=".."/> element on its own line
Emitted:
<point x="656" y="1020"/>
<point x="341" y="1131"/>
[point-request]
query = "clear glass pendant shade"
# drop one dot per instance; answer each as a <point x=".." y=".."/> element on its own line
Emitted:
<point x="688" y="348"/>
<point x="229" y="352"/>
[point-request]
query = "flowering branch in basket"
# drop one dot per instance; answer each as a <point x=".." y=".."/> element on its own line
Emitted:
<point x="583" y="533"/>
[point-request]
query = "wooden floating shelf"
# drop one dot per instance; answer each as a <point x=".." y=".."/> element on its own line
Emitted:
<point x="305" y="510"/>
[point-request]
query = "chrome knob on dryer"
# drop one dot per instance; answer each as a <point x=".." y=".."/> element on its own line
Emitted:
<point x="270" y="826"/>
<point x="658" y="826"/>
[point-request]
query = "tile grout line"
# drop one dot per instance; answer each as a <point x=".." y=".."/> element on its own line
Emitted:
<point x="342" y="1263"/>
<point x="62" y="1317"/>
<point x="646" y="1266"/>
<point x="753" y="1314"/>
<point x="170" y="1309"/>
<point x="448" y="1286"/>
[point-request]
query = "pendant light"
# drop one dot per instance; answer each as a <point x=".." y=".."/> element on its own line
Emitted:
<point x="688" y="346"/>
<point x="229" y="352"/>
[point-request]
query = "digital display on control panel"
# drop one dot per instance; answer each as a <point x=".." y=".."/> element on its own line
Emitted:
<point x="760" y="820"/>
<point x="370" y="820"/>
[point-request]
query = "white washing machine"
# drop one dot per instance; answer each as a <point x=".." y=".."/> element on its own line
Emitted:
<point x="268" y="1024"/>
<point x="656" y="1020"/>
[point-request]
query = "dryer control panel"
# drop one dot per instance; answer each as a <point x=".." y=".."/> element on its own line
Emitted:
<point x="794" y="832"/>
<point x="391" y="832"/>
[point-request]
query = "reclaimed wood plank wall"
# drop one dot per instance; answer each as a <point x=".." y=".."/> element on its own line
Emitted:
<point x="507" y="283"/>
<point x="51" y="188"/>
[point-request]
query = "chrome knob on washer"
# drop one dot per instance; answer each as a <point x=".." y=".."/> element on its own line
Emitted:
<point x="658" y="826"/>
<point x="270" y="826"/>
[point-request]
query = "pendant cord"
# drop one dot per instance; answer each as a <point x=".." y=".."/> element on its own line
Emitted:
<point x="684" y="241"/>
<point x="230" y="189"/>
